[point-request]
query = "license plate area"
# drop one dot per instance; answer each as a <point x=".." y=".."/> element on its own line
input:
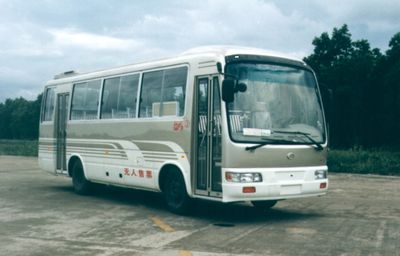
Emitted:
<point x="290" y="176"/>
<point x="290" y="189"/>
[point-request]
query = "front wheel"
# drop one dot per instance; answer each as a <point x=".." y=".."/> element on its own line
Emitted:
<point x="175" y="193"/>
<point x="264" y="205"/>
<point x="81" y="185"/>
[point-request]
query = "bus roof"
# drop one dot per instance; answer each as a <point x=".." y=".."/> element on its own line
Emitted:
<point x="227" y="50"/>
<point x="212" y="52"/>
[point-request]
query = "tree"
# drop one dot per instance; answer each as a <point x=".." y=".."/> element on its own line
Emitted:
<point x="20" y="118"/>
<point x="387" y="97"/>
<point x="345" y="67"/>
<point x="3" y="122"/>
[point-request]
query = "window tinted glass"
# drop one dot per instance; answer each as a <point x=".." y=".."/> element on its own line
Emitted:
<point x="174" y="90"/>
<point x="163" y="93"/>
<point x="49" y="105"/>
<point x="119" y="97"/>
<point x="278" y="102"/>
<point x="151" y="94"/>
<point x="85" y="100"/>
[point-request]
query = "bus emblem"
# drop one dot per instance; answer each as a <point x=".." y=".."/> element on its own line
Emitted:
<point x="290" y="156"/>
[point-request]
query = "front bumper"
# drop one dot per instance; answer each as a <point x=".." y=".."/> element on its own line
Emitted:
<point x="277" y="184"/>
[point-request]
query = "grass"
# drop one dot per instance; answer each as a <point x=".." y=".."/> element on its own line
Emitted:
<point x="19" y="147"/>
<point x="383" y="162"/>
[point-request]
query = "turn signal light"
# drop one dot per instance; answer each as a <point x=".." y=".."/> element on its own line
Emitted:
<point x="249" y="190"/>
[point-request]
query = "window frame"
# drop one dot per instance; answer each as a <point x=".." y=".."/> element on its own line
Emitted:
<point x="140" y="72"/>
<point x="283" y="64"/>
<point x="137" y="91"/>
<point x="72" y="98"/>
<point x="164" y="68"/>
<point x="44" y="105"/>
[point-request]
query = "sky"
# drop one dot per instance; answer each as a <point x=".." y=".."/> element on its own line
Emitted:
<point x="41" y="38"/>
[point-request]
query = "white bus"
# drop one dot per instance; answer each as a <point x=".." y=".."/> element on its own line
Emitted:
<point x="227" y="124"/>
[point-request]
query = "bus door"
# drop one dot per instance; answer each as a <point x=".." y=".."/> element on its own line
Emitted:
<point x="61" y="131"/>
<point x="207" y="178"/>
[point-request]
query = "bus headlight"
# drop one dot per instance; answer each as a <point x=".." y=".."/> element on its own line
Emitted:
<point x="243" y="177"/>
<point x="320" y="174"/>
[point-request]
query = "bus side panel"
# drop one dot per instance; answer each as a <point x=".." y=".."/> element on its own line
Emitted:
<point x="131" y="153"/>
<point x="47" y="148"/>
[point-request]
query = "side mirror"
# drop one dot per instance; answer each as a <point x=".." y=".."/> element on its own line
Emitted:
<point x="228" y="90"/>
<point x="219" y="67"/>
<point x="241" y="87"/>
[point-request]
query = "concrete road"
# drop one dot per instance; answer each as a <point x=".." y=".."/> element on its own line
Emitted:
<point x="41" y="215"/>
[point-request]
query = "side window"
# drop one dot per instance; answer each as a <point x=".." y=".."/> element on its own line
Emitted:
<point x="151" y="94"/>
<point x="85" y="100"/>
<point x="174" y="90"/>
<point x="49" y="105"/>
<point x="163" y="93"/>
<point x="119" y="97"/>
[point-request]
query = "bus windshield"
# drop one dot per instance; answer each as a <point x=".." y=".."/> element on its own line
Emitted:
<point x="279" y="104"/>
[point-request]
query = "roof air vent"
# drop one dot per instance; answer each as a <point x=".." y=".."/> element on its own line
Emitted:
<point x="66" y="74"/>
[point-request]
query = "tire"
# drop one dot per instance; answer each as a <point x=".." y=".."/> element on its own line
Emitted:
<point x="81" y="185"/>
<point x="264" y="205"/>
<point x="175" y="193"/>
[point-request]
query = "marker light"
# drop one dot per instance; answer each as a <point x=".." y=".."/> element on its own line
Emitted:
<point x="249" y="190"/>
<point x="243" y="177"/>
<point x="320" y="174"/>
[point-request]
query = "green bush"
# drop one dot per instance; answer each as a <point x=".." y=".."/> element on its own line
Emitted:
<point x="19" y="147"/>
<point x="382" y="162"/>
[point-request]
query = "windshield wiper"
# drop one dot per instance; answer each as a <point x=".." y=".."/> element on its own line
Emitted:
<point x="318" y="146"/>
<point x="259" y="145"/>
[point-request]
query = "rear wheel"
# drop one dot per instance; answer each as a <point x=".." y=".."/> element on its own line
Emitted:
<point x="264" y="205"/>
<point x="81" y="185"/>
<point x="175" y="194"/>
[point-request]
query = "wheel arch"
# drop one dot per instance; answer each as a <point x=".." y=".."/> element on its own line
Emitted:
<point x="166" y="168"/>
<point x="72" y="160"/>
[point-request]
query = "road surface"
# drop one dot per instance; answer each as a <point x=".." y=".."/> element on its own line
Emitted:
<point x="41" y="215"/>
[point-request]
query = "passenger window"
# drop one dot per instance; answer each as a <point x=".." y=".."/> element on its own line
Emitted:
<point x="163" y="93"/>
<point x="174" y="90"/>
<point x="119" y="97"/>
<point x="151" y="94"/>
<point x="85" y="100"/>
<point x="49" y="105"/>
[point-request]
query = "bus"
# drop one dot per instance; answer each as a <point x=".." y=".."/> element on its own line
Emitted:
<point x="221" y="123"/>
